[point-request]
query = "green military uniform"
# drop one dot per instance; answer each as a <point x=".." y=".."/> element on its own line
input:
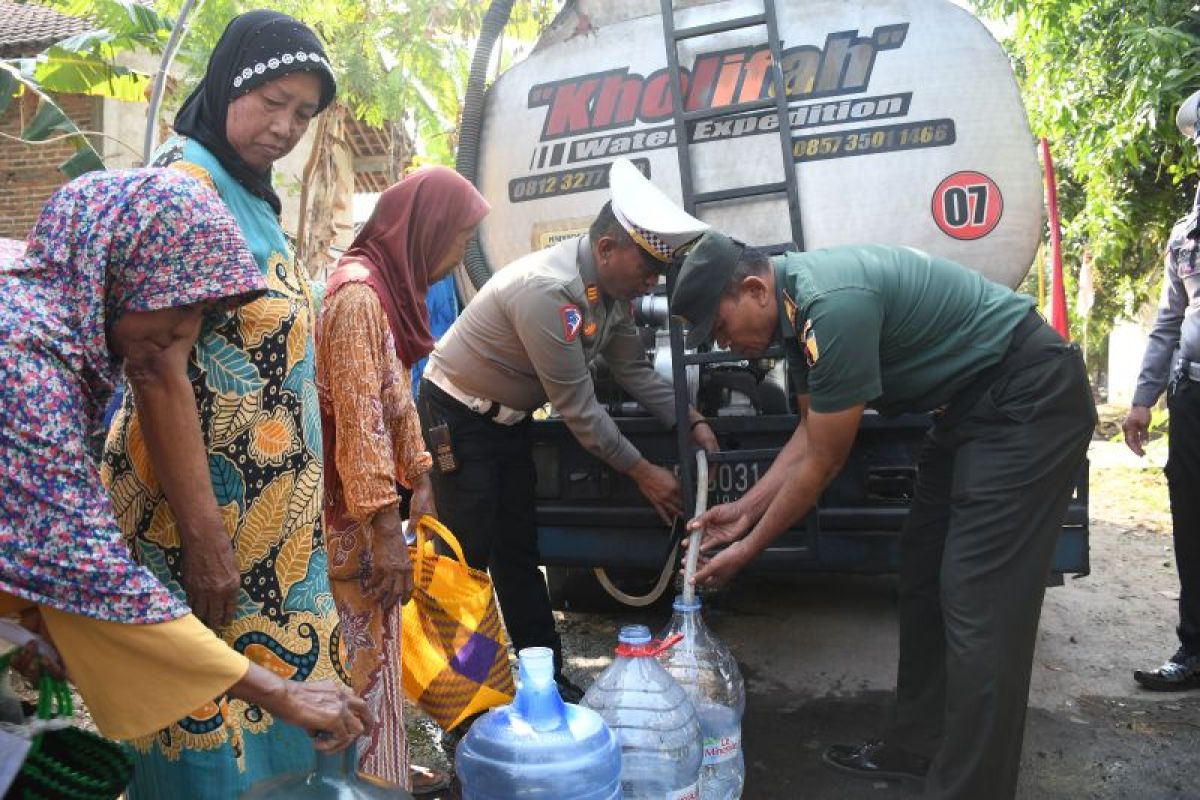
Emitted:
<point x="902" y="331"/>
<point x="893" y="328"/>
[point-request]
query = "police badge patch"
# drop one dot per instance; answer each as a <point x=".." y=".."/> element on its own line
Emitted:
<point x="809" y="341"/>
<point x="572" y="321"/>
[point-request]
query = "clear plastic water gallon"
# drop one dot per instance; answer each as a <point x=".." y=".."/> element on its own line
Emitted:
<point x="706" y="669"/>
<point x="333" y="778"/>
<point x="653" y="719"/>
<point x="539" y="747"/>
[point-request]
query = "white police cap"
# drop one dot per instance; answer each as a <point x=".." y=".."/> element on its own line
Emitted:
<point x="662" y="228"/>
<point x="1189" y="115"/>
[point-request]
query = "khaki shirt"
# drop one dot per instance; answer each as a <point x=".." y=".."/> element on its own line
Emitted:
<point x="530" y="336"/>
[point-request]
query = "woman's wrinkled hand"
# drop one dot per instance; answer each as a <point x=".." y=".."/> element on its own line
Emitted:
<point x="332" y="714"/>
<point x="422" y="502"/>
<point x="391" y="577"/>
<point x="211" y="579"/>
<point x="36" y="656"/>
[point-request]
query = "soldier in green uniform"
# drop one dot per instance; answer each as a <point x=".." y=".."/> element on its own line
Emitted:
<point x="896" y="330"/>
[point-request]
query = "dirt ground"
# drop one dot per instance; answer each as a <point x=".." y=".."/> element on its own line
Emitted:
<point x="818" y="654"/>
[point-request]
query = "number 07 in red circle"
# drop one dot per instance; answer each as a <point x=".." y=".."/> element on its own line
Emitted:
<point x="967" y="205"/>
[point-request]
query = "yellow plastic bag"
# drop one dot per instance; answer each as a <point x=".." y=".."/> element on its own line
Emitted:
<point x="455" y="661"/>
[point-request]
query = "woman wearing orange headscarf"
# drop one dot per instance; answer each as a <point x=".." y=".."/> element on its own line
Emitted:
<point x="374" y="327"/>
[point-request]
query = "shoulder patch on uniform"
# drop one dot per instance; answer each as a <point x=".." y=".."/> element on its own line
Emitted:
<point x="789" y="306"/>
<point x="572" y="321"/>
<point x="809" y="339"/>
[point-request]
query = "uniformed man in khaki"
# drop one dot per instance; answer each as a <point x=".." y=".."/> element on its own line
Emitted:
<point x="529" y="337"/>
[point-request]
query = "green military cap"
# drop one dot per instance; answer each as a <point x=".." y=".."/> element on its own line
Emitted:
<point x="702" y="280"/>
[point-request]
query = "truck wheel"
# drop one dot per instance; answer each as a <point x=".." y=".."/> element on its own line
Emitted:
<point x="576" y="588"/>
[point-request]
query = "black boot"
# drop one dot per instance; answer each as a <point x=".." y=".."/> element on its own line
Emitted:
<point x="877" y="760"/>
<point x="1182" y="672"/>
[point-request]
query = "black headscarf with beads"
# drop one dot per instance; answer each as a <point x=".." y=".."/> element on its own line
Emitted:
<point x="256" y="48"/>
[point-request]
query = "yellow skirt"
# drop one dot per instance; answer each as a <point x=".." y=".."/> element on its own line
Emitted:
<point x="138" y="679"/>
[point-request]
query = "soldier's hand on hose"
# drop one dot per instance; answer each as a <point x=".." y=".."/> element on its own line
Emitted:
<point x="660" y="487"/>
<point x="719" y="569"/>
<point x="722" y="525"/>
<point x="703" y="435"/>
<point x="1137" y="429"/>
<point x="391" y="578"/>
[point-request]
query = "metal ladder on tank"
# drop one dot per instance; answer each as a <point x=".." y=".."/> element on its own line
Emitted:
<point x="692" y="200"/>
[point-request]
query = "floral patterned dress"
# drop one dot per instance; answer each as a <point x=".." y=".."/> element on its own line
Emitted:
<point x="252" y="372"/>
<point x="106" y="244"/>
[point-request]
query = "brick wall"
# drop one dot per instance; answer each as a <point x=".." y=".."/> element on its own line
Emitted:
<point x="29" y="173"/>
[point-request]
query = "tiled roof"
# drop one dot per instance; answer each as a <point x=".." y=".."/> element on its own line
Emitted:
<point x="26" y="28"/>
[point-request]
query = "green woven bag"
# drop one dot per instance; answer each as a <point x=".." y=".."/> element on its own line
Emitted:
<point x="68" y="763"/>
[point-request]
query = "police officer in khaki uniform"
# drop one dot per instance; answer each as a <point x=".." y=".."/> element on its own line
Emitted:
<point x="1172" y="363"/>
<point x="529" y="336"/>
<point x="898" y="331"/>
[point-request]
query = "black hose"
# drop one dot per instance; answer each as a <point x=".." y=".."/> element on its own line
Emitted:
<point x="469" y="129"/>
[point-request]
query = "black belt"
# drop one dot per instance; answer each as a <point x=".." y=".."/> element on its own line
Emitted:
<point x="965" y="398"/>
<point x="444" y="397"/>
<point x="1189" y="370"/>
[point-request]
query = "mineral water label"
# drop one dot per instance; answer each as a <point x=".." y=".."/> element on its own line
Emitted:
<point x="690" y="793"/>
<point x="721" y="748"/>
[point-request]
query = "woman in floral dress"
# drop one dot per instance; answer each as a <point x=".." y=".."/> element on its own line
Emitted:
<point x="119" y="270"/>
<point x="229" y="516"/>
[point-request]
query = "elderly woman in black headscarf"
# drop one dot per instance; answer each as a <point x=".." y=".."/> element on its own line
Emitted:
<point x="217" y="477"/>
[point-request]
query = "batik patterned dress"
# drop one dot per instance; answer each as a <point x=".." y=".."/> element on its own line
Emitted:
<point x="252" y="372"/>
<point x="373" y="436"/>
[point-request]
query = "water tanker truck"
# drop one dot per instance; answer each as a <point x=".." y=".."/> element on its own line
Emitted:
<point x="890" y="121"/>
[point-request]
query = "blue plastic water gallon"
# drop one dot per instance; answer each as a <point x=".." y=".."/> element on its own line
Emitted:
<point x="539" y="747"/>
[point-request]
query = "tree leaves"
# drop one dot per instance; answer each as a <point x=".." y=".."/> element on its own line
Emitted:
<point x="1102" y="80"/>
<point x="49" y="119"/>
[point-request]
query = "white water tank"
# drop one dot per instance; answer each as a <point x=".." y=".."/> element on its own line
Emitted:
<point x="906" y="127"/>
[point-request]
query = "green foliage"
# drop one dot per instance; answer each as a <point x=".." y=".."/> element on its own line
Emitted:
<point x="395" y="62"/>
<point x="87" y="63"/>
<point x="1102" y="80"/>
<point x="48" y="121"/>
